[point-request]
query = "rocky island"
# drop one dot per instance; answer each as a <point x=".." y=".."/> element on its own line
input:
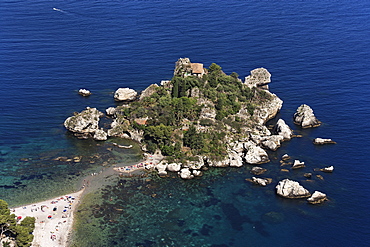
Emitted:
<point x="201" y="118"/>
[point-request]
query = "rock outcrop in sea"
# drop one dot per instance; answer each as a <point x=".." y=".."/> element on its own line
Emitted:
<point x="317" y="197"/>
<point x="321" y="141"/>
<point x="291" y="189"/>
<point x="305" y="117"/>
<point x="84" y="92"/>
<point x="86" y="124"/>
<point x="125" y="94"/>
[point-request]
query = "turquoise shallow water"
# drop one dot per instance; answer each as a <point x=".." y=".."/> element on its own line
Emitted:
<point x="317" y="53"/>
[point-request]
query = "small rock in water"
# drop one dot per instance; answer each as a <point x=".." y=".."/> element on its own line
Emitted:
<point x="260" y="181"/>
<point x="84" y="92"/>
<point x="285" y="157"/>
<point x="327" y="169"/>
<point x="298" y="164"/>
<point x="317" y="197"/>
<point x="321" y="141"/>
<point x="305" y="118"/>
<point x="291" y="189"/>
<point x="258" y="170"/>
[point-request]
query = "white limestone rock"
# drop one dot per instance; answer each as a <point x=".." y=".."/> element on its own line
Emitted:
<point x="220" y="163"/>
<point x="317" y="197"/>
<point x="291" y="189"/>
<point x="235" y="159"/>
<point x="125" y="94"/>
<point x="258" y="77"/>
<point x="174" y="167"/>
<point x="321" y="141"/>
<point x="282" y="129"/>
<point x="100" y="135"/>
<point x="268" y="110"/>
<point x="110" y="111"/>
<point x="255" y="155"/>
<point x="148" y="91"/>
<point x="86" y="121"/>
<point x="136" y="135"/>
<point x="298" y="164"/>
<point x="260" y="181"/>
<point x="197" y="173"/>
<point x="285" y="157"/>
<point x="328" y="169"/>
<point x="196" y="165"/>
<point x="272" y="142"/>
<point x="161" y="168"/>
<point x="119" y="127"/>
<point x="84" y="92"/>
<point x="185" y="173"/>
<point x="305" y="117"/>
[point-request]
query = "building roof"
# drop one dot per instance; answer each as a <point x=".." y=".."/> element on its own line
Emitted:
<point x="197" y="68"/>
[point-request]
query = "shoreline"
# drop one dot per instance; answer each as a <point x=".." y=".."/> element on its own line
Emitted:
<point x="56" y="231"/>
<point x="150" y="161"/>
<point x="53" y="219"/>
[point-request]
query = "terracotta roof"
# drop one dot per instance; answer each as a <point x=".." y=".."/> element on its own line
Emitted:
<point x="141" y="121"/>
<point x="197" y="68"/>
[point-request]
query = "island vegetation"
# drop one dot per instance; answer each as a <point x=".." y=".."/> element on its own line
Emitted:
<point x="201" y="117"/>
<point x="194" y="114"/>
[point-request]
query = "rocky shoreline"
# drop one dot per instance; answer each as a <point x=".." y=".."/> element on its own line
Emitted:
<point x="247" y="144"/>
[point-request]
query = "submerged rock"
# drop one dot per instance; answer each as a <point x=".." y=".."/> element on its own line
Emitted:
<point x="317" y="197"/>
<point x="305" y="118"/>
<point x="273" y="217"/>
<point x="125" y="94"/>
<point x="260" y="181"/>
<point x="291" y="189"/>
<point x="258" y="170"/>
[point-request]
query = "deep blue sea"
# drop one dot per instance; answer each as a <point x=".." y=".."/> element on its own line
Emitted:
<point x="318" y="53"/>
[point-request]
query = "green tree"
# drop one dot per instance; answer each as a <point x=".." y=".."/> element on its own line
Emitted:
<point x="22" y="232"/>
<point x="214" y="68"/>
<point x="193" y="139"/>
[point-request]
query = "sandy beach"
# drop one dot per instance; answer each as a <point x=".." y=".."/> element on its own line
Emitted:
<point x="54" y="219"/>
